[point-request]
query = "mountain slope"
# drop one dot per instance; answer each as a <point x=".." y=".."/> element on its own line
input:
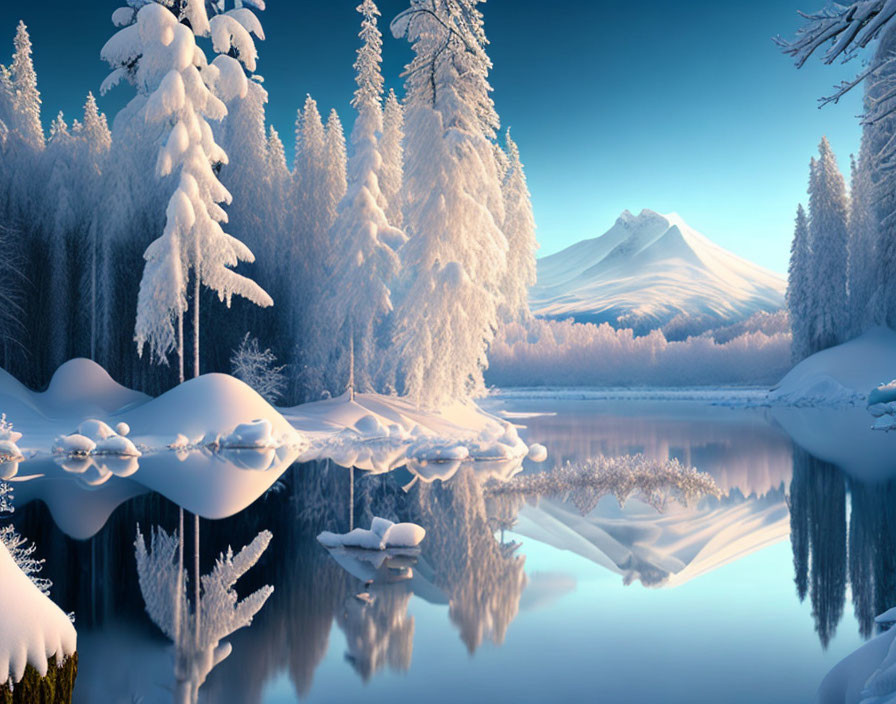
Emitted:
<point x="648" y="269"/>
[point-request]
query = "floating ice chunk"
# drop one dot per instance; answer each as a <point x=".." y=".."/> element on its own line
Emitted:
<point x="181" y="442"/>
<point x="885" y="393"/>
<point x="74" y="444"/>
<point x="537" y="452"/>
<point x="122" y="428"/>
<point x="254" y="434"/>
<point x="9" y="451"/>
<point x="383" y="534"/>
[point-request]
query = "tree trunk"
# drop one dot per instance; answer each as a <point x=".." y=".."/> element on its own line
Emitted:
<point x="196" y="574"/>
<point x="196" y="283"/>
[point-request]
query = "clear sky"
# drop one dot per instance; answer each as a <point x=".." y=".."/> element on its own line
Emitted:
<point x="672" y="106"/>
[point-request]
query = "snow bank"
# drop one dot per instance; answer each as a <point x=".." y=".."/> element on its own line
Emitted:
<point x="383" y="534"/>
<point x="841" y="375"/>
<point x="866" y="676"/>
<point x="32" y="628"/>
<point x="379" y="433"/>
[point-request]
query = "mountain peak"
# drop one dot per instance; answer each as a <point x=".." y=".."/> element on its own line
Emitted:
<point x="652" y="267"/>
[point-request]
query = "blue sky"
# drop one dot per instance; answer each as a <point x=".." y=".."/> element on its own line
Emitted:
<point x="684" y="106"/>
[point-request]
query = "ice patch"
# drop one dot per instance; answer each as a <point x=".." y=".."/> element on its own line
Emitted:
<point x="383" y="534"/>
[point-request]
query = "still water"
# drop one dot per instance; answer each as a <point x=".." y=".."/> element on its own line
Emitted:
<point x="749" y="598"/>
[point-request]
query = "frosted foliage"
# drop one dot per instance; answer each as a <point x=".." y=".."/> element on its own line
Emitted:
<point x="454" y="260"/>
<point x="564" y="353"/>
<point x="450" y="68"/>
<point x="363" y="262"/>
<point x="25" y="96"/>
<point x="392" y="151"/>
<point x="586" y="483"/>
<point x="162" y="60"/>
<point x="864" y="276"/>
<point x="221" y="610"/>
<point x="519" y="227"/>
<point x="258" y="369"/>
<point x="828" y="213"/>
<point x="21" y="549"/>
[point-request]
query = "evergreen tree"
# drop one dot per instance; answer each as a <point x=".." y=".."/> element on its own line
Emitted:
<point x="362" y="261"/>
<point x="864" y="301"/>
<point x="828" y="209"/>
<point x="392" y="152"/>
<point x="519" y="228"/>
<point x="26" y="98"/>
<point x="455" y="258"/>
<point x="178" y="84"/>
<point x="798" y="283"/>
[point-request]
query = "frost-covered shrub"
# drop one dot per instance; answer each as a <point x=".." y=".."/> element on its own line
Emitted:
<point x="564" y="353"/>
<point x="259" y="369"/>
<point x="21" y="549"/>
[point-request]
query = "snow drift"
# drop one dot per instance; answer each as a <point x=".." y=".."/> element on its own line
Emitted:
<point x="32" y="628"/>
<point x="648" y="269"/>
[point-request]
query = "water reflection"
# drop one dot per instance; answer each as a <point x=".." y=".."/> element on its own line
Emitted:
<point x="371" y="615"/>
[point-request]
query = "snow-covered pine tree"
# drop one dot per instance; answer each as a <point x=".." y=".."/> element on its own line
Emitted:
<point x="363" y="260"/>
<point x="798" y="282"/>
<point x="828" y="215"/>
<point x="336" y="167"/>
<point x="519" y="228"/>
<point x="455" y="258"/>
<point x="392" y="152"/>
<point x="157" y="53"/>
<point x="864" y="300"/>
<point x="26" y="97"/>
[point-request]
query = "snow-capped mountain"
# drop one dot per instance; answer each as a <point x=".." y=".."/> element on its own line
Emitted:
<point x="648" y="269"/>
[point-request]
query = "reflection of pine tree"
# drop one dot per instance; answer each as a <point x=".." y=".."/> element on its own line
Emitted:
<point x="885" y="550"/>
<point x="799" y="520"/>
<point x="483" y="579"/>
<point x="827" y="534"/>
<point x="378" y="633"/>
<point x="864" y="508"/>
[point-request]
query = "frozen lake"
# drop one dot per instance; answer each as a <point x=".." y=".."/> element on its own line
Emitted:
<point x="560" y="599"/>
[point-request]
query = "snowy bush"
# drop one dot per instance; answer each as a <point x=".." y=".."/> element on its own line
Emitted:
<point x="258" y="369"/>
<point x="564" y="353"/>
<point x="21" y="549"/>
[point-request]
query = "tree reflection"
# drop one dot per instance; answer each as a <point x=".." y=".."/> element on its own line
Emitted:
<point x="831" y="550"/>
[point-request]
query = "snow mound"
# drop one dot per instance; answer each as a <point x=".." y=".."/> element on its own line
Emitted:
<point x="841" y="375"/>
<point x="32" y="628"/>
<point x="648" y="269"/>
<point x="383" y="534"/>
<point x="538" y="453"/>
<point x="254" y="434"/>
<point x="95" y="437"/>
<point x="84" y="385"/>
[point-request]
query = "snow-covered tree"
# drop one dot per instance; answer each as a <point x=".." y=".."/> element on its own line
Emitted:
<point x="336" y="165"/>
<point x="259" y="369"/>
<point x="392" y="151"/>
<point x="363" y="259"/>
<point x="164" y="589"/>
<point x="21" y="549"/>
<point x="157" y="53"/>
<point x="798" y="283"/>
<point x="26" y="97"/>
<point x="455" y="258"/>
<point x="864" y="282"/>
<point x="828" y="235"/>
<point x="519" y="228"/>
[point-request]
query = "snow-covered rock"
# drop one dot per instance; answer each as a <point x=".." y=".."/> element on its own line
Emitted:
<point x="74" y="444"/>
<point x="538" y="453"/>
<point x="841" y="375"/>
<point x="648" y="269"/>
<point x="383" y="534"/>
<point x="33" y="630"/>
<point x="254" y="434"/>
<point x="117" y="445"/>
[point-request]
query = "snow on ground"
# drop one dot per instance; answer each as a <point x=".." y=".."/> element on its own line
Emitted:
<point x="32" y="628"/>
<point x="213" y="445"/>
<point x="867" y="675"/>
<point x="840" y="376"/>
